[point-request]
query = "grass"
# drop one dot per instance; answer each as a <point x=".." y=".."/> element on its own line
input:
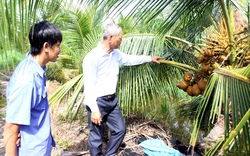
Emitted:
<point x="2" y="101"/>
<point x="2" y="105"/>
<point x="63" y="144"/>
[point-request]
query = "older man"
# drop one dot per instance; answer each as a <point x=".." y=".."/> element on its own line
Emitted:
<point x="101" y="69"/>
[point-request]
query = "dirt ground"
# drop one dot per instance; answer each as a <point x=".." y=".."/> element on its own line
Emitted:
<point x="72" y="136"/>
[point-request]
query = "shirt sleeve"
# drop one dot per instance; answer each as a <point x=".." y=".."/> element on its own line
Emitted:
<point x="130" y="60"/>
<point x="90" y="72"/>
<point x="19" y="101"/>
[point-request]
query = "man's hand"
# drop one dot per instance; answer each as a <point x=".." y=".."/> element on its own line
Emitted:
<point x="96" y="118"/>
<point x="19" y="139"/>
<point x="156" y="59"/>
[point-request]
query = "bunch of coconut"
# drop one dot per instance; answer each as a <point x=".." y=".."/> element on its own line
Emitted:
<point x="215" y="53"/>
<point x="243" y="54"/>
<point x="193" y="83"/>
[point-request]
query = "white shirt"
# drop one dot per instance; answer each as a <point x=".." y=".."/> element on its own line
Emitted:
<point x="101" y="71"/>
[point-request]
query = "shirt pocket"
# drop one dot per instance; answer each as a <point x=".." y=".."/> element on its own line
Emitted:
<point x="41" y="98"/>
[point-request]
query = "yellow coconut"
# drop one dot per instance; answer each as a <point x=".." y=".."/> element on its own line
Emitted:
<point x="247" y="58"/>
<point x="196" y="90"/>
<point x="202" y="84"/>
<point x="205" y="68"/>
<point x="200" y="59"/>
<point x="209" y="52"/>
<point x="187" y="76"/>
<point x="183" y="85"/>
<point x="222" y="57"/>
<point x="189" y="90"/>
<point x="215" y="65"/>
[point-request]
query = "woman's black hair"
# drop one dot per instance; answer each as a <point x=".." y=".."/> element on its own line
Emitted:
<point x="42" y="32"/>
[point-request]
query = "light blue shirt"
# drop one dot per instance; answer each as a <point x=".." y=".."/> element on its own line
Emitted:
<point x="101" y="72"/>
<point x="27" y="106"/>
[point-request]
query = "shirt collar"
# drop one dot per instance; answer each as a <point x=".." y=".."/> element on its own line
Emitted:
<point x="103" y="52"/>
<point x="38" y="68"/>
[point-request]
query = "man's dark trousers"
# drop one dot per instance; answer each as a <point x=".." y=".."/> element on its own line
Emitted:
<point x="113" y="118"/>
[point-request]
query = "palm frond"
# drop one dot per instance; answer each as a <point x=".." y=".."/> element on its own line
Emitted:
<point x="142" y="44"/>
<point x="56" y="98"/>
<point x="230" y="92"/>
<point x="182" y="18"/>
<point x="92" y="40"/>
<point x="76" y="96"/>
<point x="242" y="127"/>
<point x="142" y="88"/>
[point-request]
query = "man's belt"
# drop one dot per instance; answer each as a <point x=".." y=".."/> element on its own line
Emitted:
<point x="110" y="96"/>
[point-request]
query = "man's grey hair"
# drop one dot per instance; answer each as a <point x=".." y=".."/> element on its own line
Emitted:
<point x="111" y="29"/>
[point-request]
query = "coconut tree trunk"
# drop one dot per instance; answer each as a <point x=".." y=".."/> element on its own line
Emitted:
<point x="229" y="19"/>
<point x="216" y="133"/>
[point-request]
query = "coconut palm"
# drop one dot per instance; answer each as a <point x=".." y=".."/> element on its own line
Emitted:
<point x="228" y="98"/>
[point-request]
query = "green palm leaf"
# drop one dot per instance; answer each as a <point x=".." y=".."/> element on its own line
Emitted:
<point x="230" y="91"/>
<point x="143" y="88"/>
<point x="57" y="97"/>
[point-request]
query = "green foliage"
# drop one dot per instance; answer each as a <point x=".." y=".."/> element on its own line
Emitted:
<point x="147" y="87"/>
<point x="220" y="86"/>
<point x="77" y="26"/>
<point x="161" y="112"/>
<point x="2" y="100"/>
<point x="16" y="18"/>
<point x="15" y="26"/>
<point x="2" y="104"/>
<point x="126" y="25"/>
<point x="140" y="88"/>
<point x="10" y="59"/>
<point x="55" y="71"/>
